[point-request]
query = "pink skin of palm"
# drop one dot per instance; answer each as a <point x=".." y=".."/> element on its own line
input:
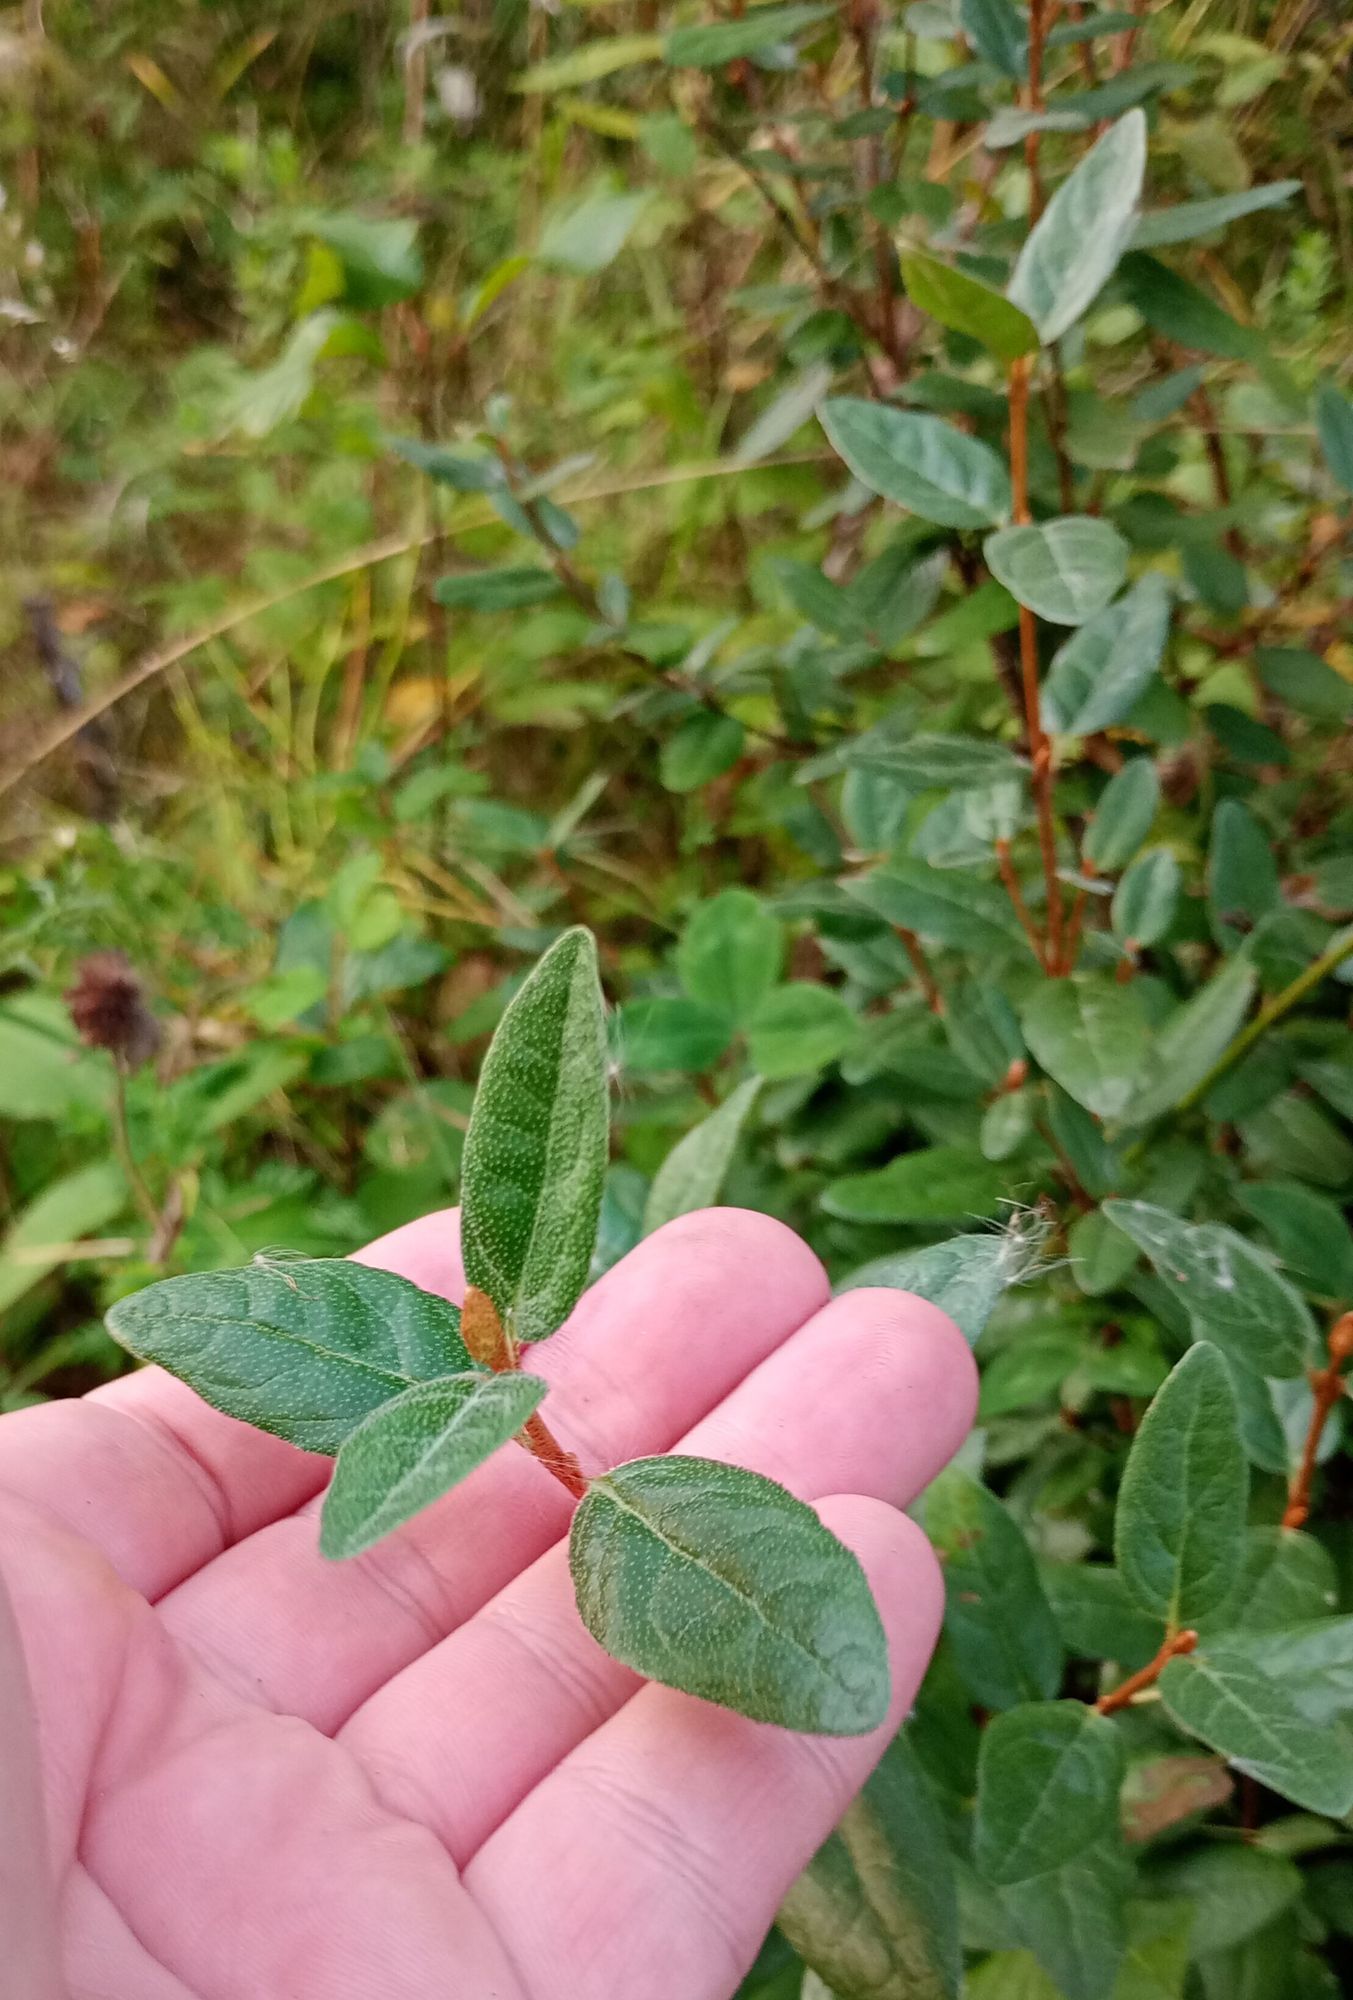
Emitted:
<point x="234" y="1771"/>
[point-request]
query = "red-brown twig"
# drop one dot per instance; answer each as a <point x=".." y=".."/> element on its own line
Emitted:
<point x="925" y="977"/>
<point x="1178" y="1644"/>
<point x="1016" y="895"/>
<point x="491" y="1344"/>
<point x="1327" y="1385"/>
<point x="1037" y="30"/>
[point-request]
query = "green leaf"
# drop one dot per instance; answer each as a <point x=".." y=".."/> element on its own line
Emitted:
<point x="1124" y="815"/>
<point x="270" y="397"/>
<point x="459" y="471"/>
<point x="946" y="909"/>
<point x="1096" y="1615"/>
<point x="1028" y="1372"/>
<point x="998" y="1622"/>
<point x="919" y="462"/>
<point x="1242" y="876"/>
<point x="730" y="952"/>
<point x="1188" y="220"/>
<point x="1229" y="1288"/>
<point x="1091" y="1035"/>
<point x="411" y="1450"/>
<point x="1073" y="1920"/>
<point x="70" y="1206"/>
<point x="589" y="62"/>
<point x="1098" y="674"/>
<point x="44" y="1071"/>
<point x="711" y="44"/>
<point x="380" y="256"/>
<point x="1047" y="1788"/>
<point x="704" y="747"/>
<point x="1100" y="1255"/>
<point x="967" y="305"/>
<point x="304" y="1348"/>
<point x="876" y="1909"/>
<point x="669" y="1032"/>
<point x="1145" y="901"/>
<point x="1308" y="1231"/>
<point x="964" y="1277"/>
<point x="1065" y="569"/>
<point x="799" y="1028"/>
<point x="935" y="763"/>
<point x="587" y="235"/>
<point x="1234" y="1891"/>
<point x="1334" y="426"/>
<point x="997" y="32"/>
<point x="1176" y="308"/>
<point x="1312" y="1661"/>
<point x="1074" y="246"/>
<point x="1287" y="1577"/>
<point x="1180" y="1527"/>
<point x="935" y="1184"/>
<point x="1195" y="1036"/>
<point x="693" y="1173"/>
<point x="1217" y="1695"/>
<point x="785" y="414"/>
<point x="507" y="589"/>
<point x="535" y="1153"/>
<point x="963" y="829"/>
<point x="714" y="1580"/>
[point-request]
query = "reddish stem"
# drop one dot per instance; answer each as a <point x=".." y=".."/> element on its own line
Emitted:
<point x="1328" y="1385"/>
<point x="1016" y="895"/>
<point x="1174" y="1647"/>
<point x="925" y="978"/>
<point x="492" y="1345"/>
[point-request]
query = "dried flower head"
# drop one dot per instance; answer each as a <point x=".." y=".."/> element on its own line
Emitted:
<point x="109" y="1010"/>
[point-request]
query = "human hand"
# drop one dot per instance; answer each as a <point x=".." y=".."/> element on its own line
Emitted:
<point x="270" y="1777"/>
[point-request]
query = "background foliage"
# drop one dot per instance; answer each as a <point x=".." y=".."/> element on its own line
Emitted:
<point x="421" y="536"/>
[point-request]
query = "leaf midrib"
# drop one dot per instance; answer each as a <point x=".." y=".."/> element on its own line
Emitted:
<point x="604" y="1488"/>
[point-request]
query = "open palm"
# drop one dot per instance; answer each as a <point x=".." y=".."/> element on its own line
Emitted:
<point x="414" y="1774"/>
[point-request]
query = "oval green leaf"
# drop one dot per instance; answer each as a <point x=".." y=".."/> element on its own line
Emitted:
<point x="950" y="909"/>
<point x="1065" y="569"/>
<point x="413" y="1449"/>
<point x="919" y="462"/>
<point x="730" y="953"/>
<point x="693" y="1173"/>
<point x="1072" y="250"/>
<point x="876" y="1909"/>
<point x="669" y="1032"/>
<point x="934" y="1184"/>
<point x="716" y="1581"/>
<point x="305" y="1349"/>
<point x="967" y="305"/>
<point x="1124" y="815"/>
<point x="708" y="45"/>
<point x="535" y="1153"/>
<point x="997" y="1620"/>
<point x="1230" y="1289"/>
<point x="1219" y="1696"/>
<point x="1145" y="901"/>
<point x="704" y="747"/>
<point x="1179" y="1535"/>
<point x="799" y="1028"/>
<point x="1048" y="1778"/>
<point x="1091" y="1035"/>
<point x="1099" y="673"/>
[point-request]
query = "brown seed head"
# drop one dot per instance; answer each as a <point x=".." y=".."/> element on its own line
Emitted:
<point x="109" y="1010"/>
